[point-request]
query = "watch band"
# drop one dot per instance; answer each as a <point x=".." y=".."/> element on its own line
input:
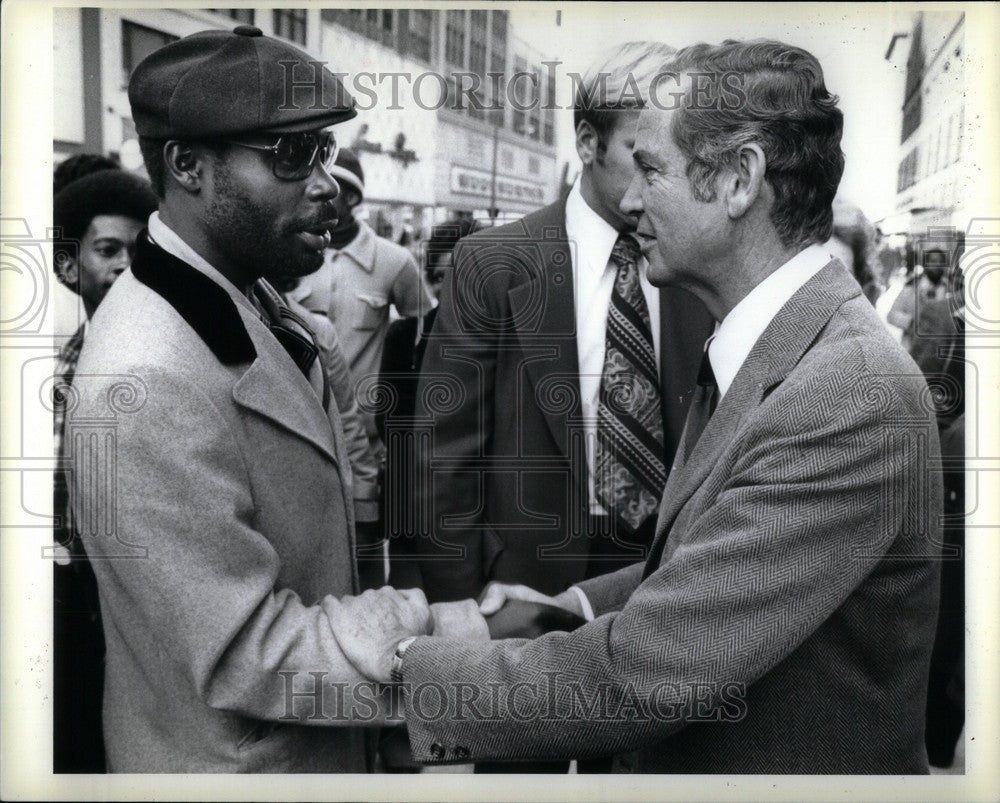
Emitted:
<point x="396" y="670"/>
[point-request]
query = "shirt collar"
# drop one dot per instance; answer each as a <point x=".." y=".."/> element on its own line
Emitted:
<point x="734" y="338"/>
<point x="362" y="248"/>
<point x="590" y="235"/>
<point x="171" y="242"/>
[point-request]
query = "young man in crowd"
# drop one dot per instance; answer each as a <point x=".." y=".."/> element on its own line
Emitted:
<point x="98" y="217"/>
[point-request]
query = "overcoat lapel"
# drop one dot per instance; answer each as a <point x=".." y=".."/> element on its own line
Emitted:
<point x="275" y="388"/>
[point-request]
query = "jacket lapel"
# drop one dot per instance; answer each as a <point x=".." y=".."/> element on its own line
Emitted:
<point x="544" y="321"/>
<point x="791" y="333"/>
<point x="275" y="388"/>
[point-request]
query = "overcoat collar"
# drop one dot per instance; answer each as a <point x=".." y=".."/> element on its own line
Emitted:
<point x="272" y="386"/>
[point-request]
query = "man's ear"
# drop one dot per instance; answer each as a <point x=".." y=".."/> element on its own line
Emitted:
<point x="587" y="142"/>
<point x="184" y="163"/>
<point x="745" y="181"/>
<point x="68" y="270"/>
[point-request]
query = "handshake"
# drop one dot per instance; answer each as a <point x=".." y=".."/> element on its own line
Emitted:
<point x="370" y="626"/>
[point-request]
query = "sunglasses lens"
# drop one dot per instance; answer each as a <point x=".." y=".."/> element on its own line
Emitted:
<point x="328" y="149"/>
<point x="293" y="156"/>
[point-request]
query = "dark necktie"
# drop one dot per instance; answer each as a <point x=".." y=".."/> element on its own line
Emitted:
<point x="629" y="473"/>
<point x="702" y="405"/>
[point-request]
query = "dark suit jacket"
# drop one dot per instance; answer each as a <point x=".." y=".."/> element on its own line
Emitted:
<point x="785" y="621"/>
<point x="503" y="484"/>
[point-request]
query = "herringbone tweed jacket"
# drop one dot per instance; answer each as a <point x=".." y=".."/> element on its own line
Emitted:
<point x="786" y="622"/>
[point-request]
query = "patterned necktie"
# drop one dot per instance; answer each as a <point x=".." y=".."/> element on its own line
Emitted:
<point x="628" y="460"/>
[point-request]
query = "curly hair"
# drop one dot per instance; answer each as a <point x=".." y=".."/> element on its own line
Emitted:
<point x="771" y="94"/>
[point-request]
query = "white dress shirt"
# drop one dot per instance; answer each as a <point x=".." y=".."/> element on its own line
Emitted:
<point x="591" y="239"/>
<point x="735" y="337"/>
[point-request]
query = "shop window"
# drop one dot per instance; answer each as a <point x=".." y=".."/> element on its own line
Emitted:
<point x="138" y="41"/>
<point x="244" y="16"/>
<point x="291" y="24"/>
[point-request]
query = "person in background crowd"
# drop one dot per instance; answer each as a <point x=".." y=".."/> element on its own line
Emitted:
<point x="935" y="338"/>
<point x="530" y="326"/>
<point x="405" y="343"/>
<point x="853" y="243"/>
<point x="233" y="492"/>
<point x="77" y="166"/>
<point x="402" y="356"/>
<point x="362" y="275"/>
<point x="98" y="217"/>
<point x="543" y="322"/>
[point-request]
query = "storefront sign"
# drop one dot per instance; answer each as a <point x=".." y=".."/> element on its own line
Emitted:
<point x="465" y="181"/>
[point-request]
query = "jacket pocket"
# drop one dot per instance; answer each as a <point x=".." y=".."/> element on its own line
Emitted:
<point x="370" y="312"/>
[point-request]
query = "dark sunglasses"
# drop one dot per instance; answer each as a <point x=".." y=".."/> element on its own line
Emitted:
<point x="293" y="156"/>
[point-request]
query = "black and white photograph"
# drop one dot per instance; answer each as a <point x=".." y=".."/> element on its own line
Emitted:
<point x="418" y="392"/>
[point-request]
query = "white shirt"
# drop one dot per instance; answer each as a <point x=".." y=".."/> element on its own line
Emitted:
<point x="591" y="239"/>
<point x="735" y="337"/>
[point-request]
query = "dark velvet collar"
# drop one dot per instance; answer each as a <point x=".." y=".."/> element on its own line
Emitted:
<point x="207" y="307"/>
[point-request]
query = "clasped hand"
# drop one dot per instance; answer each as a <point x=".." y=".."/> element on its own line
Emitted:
<point x="370" y="626"/>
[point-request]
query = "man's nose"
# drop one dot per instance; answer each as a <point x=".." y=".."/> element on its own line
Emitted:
<point x="322" y="186"/>
<point x="631" y="202"/>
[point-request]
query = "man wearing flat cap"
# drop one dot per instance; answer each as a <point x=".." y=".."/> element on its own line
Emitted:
<point x="223" y="540"/>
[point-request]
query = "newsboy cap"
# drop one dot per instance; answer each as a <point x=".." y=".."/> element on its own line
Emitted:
<point x="347" y="170"/>
<point x="220" y="83"/>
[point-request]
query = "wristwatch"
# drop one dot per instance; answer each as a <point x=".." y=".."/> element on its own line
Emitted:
<point x="396" y="670"/>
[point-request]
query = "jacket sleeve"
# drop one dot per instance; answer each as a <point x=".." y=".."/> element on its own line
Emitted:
<point x="408" y="293"/>
<point x="610" y="592"/>
<point x="364" y="464"/>
<point x="815" y="500"/>
<point x="455" y="392"/>
<point x="201" y="590"/>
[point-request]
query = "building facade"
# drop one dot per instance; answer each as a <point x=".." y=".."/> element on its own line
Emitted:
<point x="931" y="175"/>
<point x="437" y="135"/>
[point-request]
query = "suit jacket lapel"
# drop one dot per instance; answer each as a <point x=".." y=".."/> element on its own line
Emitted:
<point x="779" y="349"/>
<point x="544" y="320"/>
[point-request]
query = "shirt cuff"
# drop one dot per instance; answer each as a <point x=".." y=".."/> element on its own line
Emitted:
<point x="588" y="612"/>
